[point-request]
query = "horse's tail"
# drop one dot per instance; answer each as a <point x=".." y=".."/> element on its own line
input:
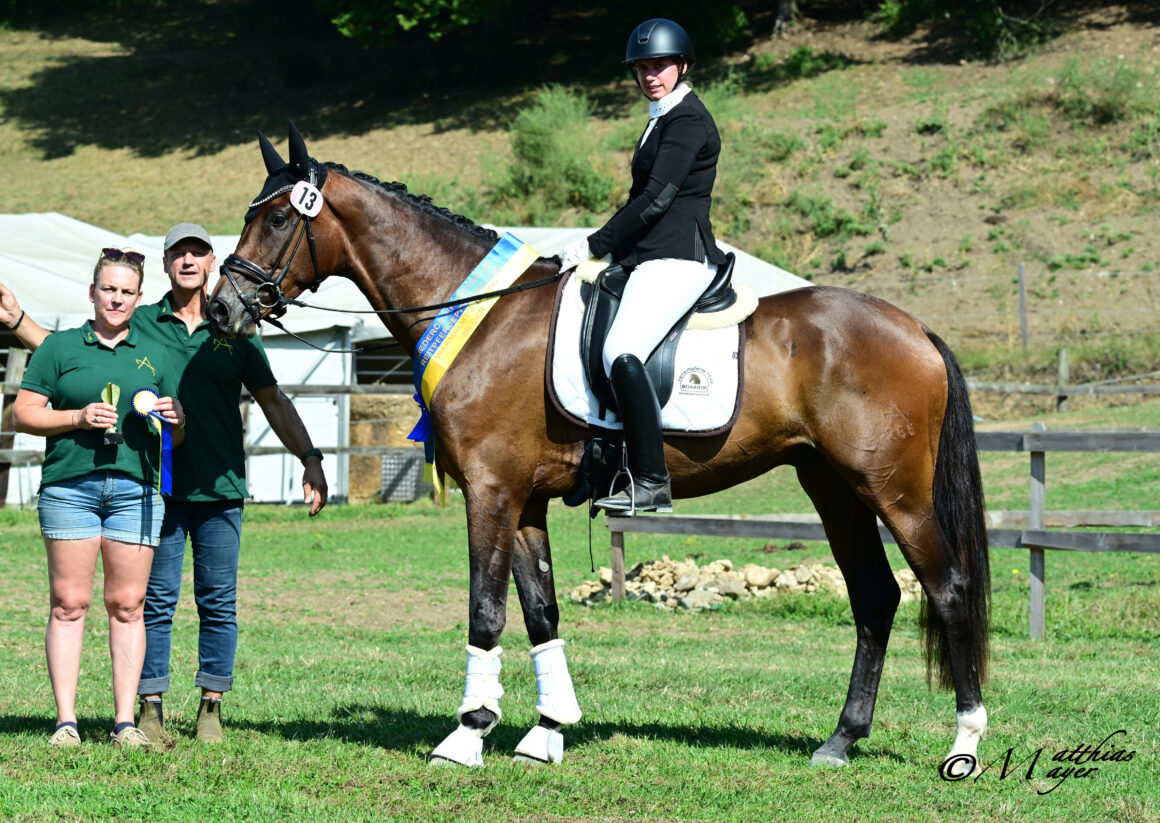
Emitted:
<point x="958" y="502"/>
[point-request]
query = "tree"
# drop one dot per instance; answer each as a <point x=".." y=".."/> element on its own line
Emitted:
<point x="786" y="10"/>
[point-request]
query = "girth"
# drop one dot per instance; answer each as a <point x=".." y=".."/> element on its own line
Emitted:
<point x="601" y="303"/>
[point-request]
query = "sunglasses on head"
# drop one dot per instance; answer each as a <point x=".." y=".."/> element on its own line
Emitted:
<point x="134" y="258"/>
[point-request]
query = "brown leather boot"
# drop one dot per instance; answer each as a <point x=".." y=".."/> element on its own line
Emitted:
<point x="209" y="721"/>
<point x="151" y="720"/>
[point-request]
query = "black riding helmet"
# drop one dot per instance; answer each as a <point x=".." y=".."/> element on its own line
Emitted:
<point x="659" y="38"/>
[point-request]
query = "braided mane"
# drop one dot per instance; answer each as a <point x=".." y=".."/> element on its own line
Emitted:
<point x="420" y="201"/>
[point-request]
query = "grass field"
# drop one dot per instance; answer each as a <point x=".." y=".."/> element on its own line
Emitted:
<point x="350" y="668"/>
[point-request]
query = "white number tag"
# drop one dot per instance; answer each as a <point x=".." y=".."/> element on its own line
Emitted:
<point x="306" y="199"/>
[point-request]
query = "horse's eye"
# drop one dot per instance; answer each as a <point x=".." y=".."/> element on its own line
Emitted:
<point x="278" y="220"/>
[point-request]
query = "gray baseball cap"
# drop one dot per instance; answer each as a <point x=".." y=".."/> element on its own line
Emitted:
<point x="183" y="231"/>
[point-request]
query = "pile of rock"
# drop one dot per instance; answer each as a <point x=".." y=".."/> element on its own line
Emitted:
<point x="671" y="584"/>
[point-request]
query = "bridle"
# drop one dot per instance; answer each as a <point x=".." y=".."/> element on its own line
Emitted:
<point x="268" y="294"/>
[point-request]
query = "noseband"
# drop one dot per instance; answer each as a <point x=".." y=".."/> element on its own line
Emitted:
<point x="268" y="294"/>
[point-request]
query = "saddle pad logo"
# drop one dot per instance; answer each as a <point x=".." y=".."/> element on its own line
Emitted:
<point x="695" y="381"/>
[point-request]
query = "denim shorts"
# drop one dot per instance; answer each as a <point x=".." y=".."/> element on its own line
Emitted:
<point x="105" y="504"/>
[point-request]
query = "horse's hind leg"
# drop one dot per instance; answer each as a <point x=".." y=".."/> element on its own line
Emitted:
<point x="950" y="630"/>
<point x="535" y="583"/>
<point x="852" y="531"/>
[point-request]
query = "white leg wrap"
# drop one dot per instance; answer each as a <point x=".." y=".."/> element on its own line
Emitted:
<point x="970" y="727"/>
<point x="482" y="690"/>
<point x="463" y="746"/>
<point x="541" y="745"/>
<point x="557" y="699"/>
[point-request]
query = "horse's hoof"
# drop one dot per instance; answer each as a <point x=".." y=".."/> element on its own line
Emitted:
<point x="463" y="747"/>
<point x="828" y="761"/>
<point x="540" y="746"/>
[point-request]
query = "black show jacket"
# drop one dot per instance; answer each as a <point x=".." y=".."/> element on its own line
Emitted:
<point x="667" y="213"/>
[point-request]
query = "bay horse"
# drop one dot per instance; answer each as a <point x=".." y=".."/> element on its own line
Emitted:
<point x="864" y="401"/>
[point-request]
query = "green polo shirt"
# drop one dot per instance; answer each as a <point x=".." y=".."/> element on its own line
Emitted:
<point x="211" y="370"/>
<point x="71" y="368"/>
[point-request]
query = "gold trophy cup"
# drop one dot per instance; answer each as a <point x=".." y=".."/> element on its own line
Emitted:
<point x="110" y="394"/>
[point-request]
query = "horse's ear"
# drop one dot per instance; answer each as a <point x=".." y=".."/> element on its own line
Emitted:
<point x="299" y="157"/>
<point x="274" y="161"/>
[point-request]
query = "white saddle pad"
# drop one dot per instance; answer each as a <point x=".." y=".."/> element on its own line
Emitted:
<point x="705" y="389"/>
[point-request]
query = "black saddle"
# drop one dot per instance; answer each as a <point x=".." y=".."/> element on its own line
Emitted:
<point x="602" y="301"/>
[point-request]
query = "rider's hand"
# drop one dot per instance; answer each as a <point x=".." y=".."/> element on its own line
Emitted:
<point x="574" y="254"/>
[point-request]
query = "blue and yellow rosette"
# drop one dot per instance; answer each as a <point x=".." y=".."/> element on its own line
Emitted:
<point x="145" y="404"/>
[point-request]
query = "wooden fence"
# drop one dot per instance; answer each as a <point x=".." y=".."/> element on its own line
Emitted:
<point x="1036" y="529"/>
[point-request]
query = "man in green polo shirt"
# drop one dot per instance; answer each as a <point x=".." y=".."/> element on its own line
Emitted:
<point x="209" y="487"/>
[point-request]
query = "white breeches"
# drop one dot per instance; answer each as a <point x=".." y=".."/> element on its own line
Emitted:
<point x="658" y="294"/>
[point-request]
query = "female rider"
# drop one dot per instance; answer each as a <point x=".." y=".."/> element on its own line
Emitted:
<point x="663" y="237"/>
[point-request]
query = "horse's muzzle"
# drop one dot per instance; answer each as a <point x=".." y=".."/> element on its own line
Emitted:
<point x="226" y="322"/>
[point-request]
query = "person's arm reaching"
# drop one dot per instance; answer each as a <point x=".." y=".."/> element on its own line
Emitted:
<point x="284" y="420"/>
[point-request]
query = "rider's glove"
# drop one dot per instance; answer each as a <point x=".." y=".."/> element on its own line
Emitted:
<point x="574" y="254"/>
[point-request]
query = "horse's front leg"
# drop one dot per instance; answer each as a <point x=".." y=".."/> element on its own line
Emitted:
<point x="535" y="582"/>
<point x="491" y="522"/>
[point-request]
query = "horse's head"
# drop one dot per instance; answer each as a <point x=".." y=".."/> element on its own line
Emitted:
<point x="266" y="270"/>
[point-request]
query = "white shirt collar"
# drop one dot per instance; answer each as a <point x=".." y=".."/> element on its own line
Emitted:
<point x="659" y="108"/>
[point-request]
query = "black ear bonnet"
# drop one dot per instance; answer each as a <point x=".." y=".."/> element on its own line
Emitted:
<point x="282" y="175"/>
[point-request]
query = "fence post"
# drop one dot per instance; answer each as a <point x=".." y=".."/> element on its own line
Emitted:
<point x="1022" y="307"/>
<point x="1062" y="379"/>
<point x="617" y="566"/>
<point x="1038" y="507"/>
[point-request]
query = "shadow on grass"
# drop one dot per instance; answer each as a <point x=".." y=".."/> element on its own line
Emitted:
<point x="400" y="730"/>
<point x="91" y="728"/>
<point x="201" y="77"/>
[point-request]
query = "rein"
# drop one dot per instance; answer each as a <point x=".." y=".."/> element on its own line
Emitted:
<point x="475" y="298"/>
<point x="284" y="301"/>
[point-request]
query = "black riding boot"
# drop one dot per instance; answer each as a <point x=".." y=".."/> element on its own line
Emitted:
<point x="641" y="415"/>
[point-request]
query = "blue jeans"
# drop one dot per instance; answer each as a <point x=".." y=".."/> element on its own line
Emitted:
<point x="215" y="531"/>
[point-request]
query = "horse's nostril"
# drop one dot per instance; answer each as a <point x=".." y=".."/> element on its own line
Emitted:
<point x="218" y="311"/>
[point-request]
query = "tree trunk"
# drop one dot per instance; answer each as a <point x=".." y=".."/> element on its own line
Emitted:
<point x="785" y="14"/>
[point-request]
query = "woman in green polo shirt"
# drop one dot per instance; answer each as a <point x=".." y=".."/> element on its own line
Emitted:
<point x="99" y="490"/>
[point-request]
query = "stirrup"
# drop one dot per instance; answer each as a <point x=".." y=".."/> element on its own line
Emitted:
<point x="626" y="503"/>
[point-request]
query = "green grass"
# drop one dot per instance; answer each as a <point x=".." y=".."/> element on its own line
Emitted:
<point x="350" y="667"/>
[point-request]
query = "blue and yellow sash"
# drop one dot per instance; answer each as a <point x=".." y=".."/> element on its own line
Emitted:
<point x="451" y="328"/>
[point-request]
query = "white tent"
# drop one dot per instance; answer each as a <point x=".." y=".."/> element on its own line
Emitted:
<point x="47" y="260"/>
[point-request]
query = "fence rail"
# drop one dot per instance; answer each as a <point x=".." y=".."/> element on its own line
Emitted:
<point x="35" y="457"/>
<point x="1008" y="529"/>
